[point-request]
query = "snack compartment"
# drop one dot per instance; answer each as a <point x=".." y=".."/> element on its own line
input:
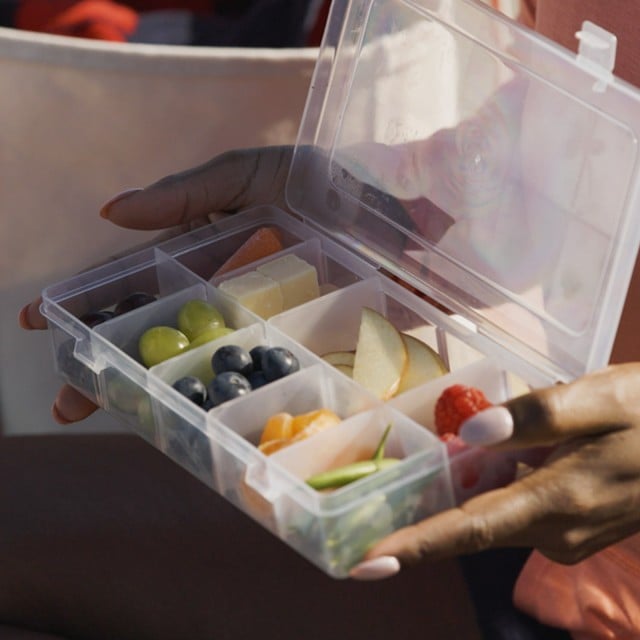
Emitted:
<point x="292" y="277"/>
<point x="334" y="527"/>
<point x="181" y="422"/>
<point x="473" y="469"/>
<point x="316" y="398"/>
<point x="368" y="331"/>
<point x="233" y="241"/>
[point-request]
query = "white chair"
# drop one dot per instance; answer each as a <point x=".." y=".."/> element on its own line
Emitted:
<point x="81" y="120"/>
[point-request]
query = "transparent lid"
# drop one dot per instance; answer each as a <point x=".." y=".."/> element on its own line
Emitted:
<point x="481" y="163"/>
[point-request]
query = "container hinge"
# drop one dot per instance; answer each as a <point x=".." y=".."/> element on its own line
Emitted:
<point x="597" y="53"/>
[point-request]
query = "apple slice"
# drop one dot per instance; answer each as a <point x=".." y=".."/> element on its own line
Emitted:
<point x="344" y="368"/>
<point x="336" y="358"/>
<point x="423" y="364"/>
<point x="381" y="355"/>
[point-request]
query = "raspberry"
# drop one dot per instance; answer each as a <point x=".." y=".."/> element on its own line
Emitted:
<point x="455" y="405"/>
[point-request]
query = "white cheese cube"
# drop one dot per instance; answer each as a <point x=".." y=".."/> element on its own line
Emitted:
<point x="297" y="278"/>
<point x="256" y="292"/>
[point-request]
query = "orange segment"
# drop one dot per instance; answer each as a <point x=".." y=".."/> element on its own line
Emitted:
<point x="271" y="446"/>
<point x="314" y="421"/>
<point x="283" y="429"/>
<point x="278" y="427"/>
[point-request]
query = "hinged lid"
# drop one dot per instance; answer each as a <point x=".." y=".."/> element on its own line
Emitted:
<point x="483" y="164"/>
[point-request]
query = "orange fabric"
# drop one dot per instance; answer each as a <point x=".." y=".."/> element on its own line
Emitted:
<point x="97" y="19"/>
<point x="596" y="599"/>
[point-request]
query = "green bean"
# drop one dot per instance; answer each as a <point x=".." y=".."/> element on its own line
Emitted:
<point x="349" y="473"/>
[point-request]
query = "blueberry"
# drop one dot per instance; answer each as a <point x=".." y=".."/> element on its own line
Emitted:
<point x="278" y="362"/>
<point x="93" y="318"/>
<point x="133" y="301"/>
<point x="232" y="358"/>
<point x="256" y="355"/>
<point x="226" y="386"/>
<point x="257" y="379"/>
<point x="192" y="388"/>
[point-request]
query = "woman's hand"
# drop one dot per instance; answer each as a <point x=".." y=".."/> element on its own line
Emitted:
<point x="584" y="497"/>
<point x="231" y="181"/>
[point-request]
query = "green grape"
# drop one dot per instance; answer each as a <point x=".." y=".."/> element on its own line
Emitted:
<point x="212" y="333"/>
<point x="197" y="316"/>
<point x="161" y="343"/>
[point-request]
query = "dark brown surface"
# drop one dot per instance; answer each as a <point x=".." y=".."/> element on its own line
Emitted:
<point x="103" y="537"/>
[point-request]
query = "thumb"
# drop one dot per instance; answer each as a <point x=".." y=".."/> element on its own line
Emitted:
<point x="230" y="181"/>
<point x="594" y="404"/>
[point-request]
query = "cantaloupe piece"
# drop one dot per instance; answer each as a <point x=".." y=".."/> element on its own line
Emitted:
<point x="260" y="244"/>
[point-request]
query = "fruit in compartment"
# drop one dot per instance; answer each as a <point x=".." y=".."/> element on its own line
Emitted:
<point x="260" y="244"/>
<point x="389" y="362"/>
<point x="423" y="364"/>
<point x="202" y="323"/>
<point x="134" y="301"/>
<point x="232" y="357"/>
<point x="381" y="355"/>
<point x="192" y="388"/>
<point x="227" y="386"/>
<point x="340" y="358"/>
<point x="237" y="371"/>
<point x="160" y="343"/>
<point x="278" y="362"/>
<point x="196" y="316"/>
<point x="283" y="429"/>
<point x="456" y="404"/>
<point x="94" y="318"/>
<point x="212" y="333"/>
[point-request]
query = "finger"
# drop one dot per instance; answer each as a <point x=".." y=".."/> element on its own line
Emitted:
<point x="71" y="406"/>
<point x="594" y="404"/>
<point x="499" y="518"/>
<point x="231" y="181"/>
<point x="30" y="317"/>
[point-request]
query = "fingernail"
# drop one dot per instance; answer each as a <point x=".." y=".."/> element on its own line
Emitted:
<point x="376" y="569"/>
<point x="104" y="210"/>
<point x="58" y="417"/>
<point x="23" y="318"/>
<point x="487" y="427"/>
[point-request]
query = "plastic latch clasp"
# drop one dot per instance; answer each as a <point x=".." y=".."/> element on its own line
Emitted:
<point x="597" y="52"/>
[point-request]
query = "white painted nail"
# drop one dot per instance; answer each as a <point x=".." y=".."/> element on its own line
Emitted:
<point x="376" y="569"/>
<point x="487" y="427"/>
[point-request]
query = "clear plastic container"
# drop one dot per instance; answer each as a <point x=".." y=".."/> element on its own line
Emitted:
<point x="495" y="219"/>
